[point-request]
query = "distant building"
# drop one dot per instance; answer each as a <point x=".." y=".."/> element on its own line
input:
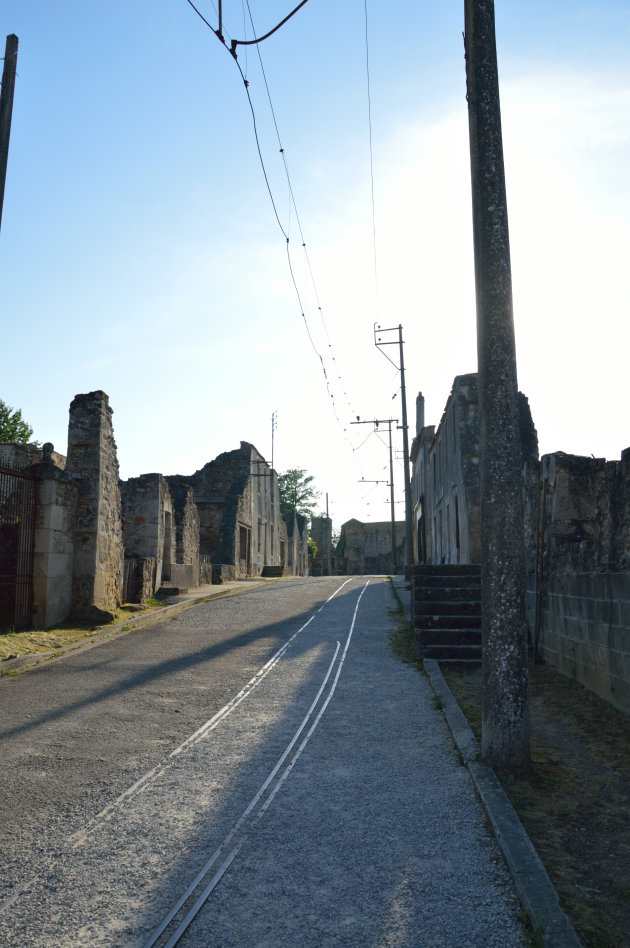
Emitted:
<point x="366" y="548"/>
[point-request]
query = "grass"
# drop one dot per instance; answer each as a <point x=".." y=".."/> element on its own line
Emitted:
<point x="402" y="636"/>
<point x="38" y="641"/>
<point x="575" y="803"/>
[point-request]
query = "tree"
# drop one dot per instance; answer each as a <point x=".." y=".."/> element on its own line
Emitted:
<point x="296" y="492"/>
<point x="13" y="428"/>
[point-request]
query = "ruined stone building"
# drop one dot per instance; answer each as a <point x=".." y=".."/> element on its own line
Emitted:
<point x="75" y="541"/>
<point x="297" y="542"/>
<point x="161" y="535"/>
<point x="366" y="548"/>
<point x="445" y="475"/>
<point x="324" y="562"/>
<point x="240" y="523"/>
<point x="75" y="561"/>
<point x="577" y="530"/>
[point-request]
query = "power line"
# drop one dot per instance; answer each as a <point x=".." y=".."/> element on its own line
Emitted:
<point x="218" y="34"/>
<point x="369" y="102"/>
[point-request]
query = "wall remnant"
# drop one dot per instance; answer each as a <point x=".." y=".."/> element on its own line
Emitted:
<point x="55" y="525"/>
<point x="577" y="537"/>
<point x="93" y="464"/>
<point x="577" y="520"/>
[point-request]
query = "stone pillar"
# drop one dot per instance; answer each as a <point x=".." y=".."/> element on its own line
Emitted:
<point x="93" y="464"/>
<point x="54" y="543"/>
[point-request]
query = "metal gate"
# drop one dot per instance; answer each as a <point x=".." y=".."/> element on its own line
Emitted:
<point x="18" y="491"/>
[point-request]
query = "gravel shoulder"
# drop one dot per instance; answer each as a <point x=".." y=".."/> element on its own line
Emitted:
<point x="576" y="801"/>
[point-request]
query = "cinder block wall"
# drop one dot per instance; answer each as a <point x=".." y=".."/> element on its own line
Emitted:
<point x="585" y="630"/>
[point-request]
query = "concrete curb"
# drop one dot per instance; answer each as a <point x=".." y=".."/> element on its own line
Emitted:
<point x="131" y="623"/>
<point x="534" y="887"/>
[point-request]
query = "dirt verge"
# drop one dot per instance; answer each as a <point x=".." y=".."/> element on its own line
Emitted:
<point x="575" y="803"/>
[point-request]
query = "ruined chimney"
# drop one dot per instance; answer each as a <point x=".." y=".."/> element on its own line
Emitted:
<point x="419" y="413"/>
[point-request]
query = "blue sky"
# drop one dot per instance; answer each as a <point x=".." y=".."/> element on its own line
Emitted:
<point x="140" y="252"/>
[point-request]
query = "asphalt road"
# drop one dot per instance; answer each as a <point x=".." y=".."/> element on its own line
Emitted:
<point x="78" y="732"/>
<point x="265" y="752"/>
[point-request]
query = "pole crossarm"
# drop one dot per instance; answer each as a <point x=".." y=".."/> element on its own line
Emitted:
<point x="376" y="421"/>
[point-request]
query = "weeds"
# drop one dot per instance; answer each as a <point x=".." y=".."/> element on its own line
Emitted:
<point x="402" y="638"/>
<point x="533" y="934"/>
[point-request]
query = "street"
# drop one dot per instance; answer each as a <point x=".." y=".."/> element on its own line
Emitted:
<point x="257" y="771"/>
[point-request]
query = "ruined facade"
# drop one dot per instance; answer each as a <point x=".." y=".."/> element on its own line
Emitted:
<point x="445" y="475"/>
<point x="366" y="548"/>
<point x="297" y="543"/>
<point x="324" y="562"/>
<point x="92" y="463"/>
<point x="577" y="534"/>
<point x="240" y="522"/>
<point x="81" y="541"/>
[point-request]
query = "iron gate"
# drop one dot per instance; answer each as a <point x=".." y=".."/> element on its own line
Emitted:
<point x="17" y="536"/>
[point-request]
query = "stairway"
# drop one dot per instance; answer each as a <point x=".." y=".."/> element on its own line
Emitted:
<point x="272" y="572"/>
<point x="446" y="612"/>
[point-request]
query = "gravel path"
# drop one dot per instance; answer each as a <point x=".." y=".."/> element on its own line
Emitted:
<point x="332" y="783"/>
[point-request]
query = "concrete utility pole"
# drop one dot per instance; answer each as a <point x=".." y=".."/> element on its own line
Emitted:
<point x="505" y="718"/>
<point x="378" y="342"/>
<point x="6" y="108"/>
<point x="387" y="421"/>
<point x="328" y="539"/>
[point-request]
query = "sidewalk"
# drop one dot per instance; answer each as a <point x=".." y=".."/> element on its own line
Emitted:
<point x="534" y="887"/>
<point x="136" y="620"/>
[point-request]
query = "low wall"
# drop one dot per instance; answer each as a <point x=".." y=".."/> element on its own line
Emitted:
<point x="223" y="573"/>
<point x="585" y="630"/>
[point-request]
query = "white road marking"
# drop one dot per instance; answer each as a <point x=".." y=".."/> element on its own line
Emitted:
<point x="78" y="838"/>
<point x="229" y="859"/>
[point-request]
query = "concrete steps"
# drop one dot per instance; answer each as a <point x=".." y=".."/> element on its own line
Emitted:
<point x="446" y="612"/>
<point x="272" y="572"/>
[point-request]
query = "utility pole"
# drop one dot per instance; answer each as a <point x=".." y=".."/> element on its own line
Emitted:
<point x="389" y="422"/>
<point x="505" y="715"/>
<point x="328" y="539"/>
<point x="6" y="108"/>
<point x="405" y="430"/>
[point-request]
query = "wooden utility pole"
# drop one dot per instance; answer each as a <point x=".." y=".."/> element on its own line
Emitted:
<point x="389" y="422"/>
<point x="505" y="717"/>
<point x="379" y="342"/>
<point x="6" y="108"/>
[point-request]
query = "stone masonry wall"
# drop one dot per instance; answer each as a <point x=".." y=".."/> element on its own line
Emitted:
<point x="577" y="518"/>
<point x="93" y="464"/>
<point x="53" y="559"/>
<point x="186" y="517"/>
<point x="148" y="522"/>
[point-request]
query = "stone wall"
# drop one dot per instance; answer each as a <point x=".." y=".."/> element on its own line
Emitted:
<point x="585" y="630"/>
<point x="23" y="455"/>
<point x="186" y="519"/>
<point x="147" y="525"/>
<point x="321" y="532"/>
<point x="93" y="464"/>
<point x="297" y="543"/>
<point x="577" y="519"/>
<point x="53" y="560"/>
